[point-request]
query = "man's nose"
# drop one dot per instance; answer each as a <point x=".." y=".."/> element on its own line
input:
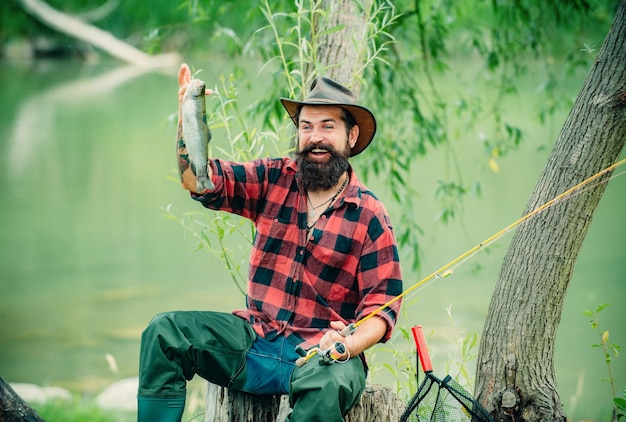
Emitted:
<point x="316" y="136"/>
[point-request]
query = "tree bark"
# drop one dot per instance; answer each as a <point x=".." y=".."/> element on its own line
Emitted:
<point x="341" y="52"/>
<point x="223" y="404"/>
<point x="13" y="408"/>
<point x="515" y="373"/>
<point x="377" y="403"/>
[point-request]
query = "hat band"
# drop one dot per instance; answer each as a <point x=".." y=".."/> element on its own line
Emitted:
<point x="320" y="100"/>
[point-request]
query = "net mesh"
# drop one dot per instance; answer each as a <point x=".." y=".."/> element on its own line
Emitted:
<point x="443" y="401"/>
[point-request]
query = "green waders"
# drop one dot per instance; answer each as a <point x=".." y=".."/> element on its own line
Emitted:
<point x="225" y="350"/>
<point x="325" y="392"/>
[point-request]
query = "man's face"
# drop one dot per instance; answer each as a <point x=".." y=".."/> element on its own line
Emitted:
<point x="323" y="147"/>
<point x="320" y="127"/>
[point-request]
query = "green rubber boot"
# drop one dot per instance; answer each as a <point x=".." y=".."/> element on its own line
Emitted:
<point x="160" y="409"/>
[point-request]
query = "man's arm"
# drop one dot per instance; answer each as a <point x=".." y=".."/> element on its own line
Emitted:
<point x="187" y="177"/>
<point x="380" y="274"/>
<point x="368" y="334"/>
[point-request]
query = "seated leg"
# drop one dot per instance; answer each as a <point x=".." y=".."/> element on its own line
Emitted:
<point x="326" y="392"/>
<point x="177" y="345"/>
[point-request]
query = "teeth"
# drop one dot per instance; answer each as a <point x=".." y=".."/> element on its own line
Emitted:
<point x="317" y="150"/>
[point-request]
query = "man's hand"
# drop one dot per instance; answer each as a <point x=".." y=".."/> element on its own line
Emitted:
<point x="332" y="336"/>
<point x="187" y="177"/>
<point x="184" y="77"/>
<point x="369" y="333"/>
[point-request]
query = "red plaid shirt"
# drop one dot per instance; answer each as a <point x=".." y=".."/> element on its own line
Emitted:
<point x="343" y="269"/>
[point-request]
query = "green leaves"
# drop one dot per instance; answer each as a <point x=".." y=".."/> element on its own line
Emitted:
<point x="449" y="194"/>
<point x="606" y="347"/>
<point x="620" y="404"/>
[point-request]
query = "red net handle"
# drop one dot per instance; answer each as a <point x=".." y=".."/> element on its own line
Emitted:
<point x="422" y="349"/>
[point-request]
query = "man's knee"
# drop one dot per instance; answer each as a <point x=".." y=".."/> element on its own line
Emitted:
<point x="326" y="390"/>
<point x="162" y="325"/>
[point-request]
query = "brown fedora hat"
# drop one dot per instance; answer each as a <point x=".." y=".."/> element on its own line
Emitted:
<point x="325" y="91"/>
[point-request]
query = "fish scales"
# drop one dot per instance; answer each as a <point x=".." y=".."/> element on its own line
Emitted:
<point x="196" y="133"/>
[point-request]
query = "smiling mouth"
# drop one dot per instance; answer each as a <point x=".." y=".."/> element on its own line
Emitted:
<point x="319" y="155"/>
<point x="319" y="151"/>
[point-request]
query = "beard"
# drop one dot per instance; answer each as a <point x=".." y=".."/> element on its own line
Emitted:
<point x="321" y="175"/>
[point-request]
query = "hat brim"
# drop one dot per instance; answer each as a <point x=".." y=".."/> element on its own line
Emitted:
<point x="364" y="119"/>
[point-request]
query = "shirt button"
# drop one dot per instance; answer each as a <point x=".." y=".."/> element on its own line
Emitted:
<point x="301" y="252"/>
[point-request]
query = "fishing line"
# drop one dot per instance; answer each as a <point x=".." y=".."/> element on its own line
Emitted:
<point x="451" y="270"/>
<point x="448" y="268"/>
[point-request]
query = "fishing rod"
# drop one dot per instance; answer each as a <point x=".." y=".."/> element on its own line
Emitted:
<point x="446" y="270"/>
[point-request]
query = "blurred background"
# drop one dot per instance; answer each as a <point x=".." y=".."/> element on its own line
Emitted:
<point x="87" y="175"/>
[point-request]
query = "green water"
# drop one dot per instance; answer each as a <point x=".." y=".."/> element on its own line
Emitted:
<point x="88" y="257"/>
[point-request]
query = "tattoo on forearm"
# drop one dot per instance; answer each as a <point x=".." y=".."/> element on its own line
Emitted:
<point x="183" y="163"/>
<point x="183" y="158"/>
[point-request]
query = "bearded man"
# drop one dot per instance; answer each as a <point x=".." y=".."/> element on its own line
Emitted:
<point x="324" y="257"/>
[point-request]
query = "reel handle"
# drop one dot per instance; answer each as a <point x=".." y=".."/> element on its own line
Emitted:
<point x="348" y="330"/>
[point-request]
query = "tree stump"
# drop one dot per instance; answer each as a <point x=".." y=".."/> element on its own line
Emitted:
<point x="13" y="408"/>
<point x="377" y="403"/>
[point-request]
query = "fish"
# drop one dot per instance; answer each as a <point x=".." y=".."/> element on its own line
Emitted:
<point x="196" y="133"/>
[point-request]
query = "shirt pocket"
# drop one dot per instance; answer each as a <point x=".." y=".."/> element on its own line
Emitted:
<point x="336" y="252"/>
<point x="274" y="242"/>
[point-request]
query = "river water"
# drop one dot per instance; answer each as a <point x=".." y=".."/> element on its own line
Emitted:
<point x="88" y="256"/>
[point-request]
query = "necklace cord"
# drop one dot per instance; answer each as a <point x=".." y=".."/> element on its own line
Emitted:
<point x="329" y="201"/>
<point x="316" y="207"/>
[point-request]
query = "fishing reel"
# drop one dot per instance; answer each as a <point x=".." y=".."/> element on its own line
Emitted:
<point x="326" y="357"/>
<point x="331" y="355"/>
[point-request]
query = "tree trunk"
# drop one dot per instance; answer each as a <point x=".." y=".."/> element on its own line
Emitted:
<point x="13" y="408"/>
<point x="223" y="404"/>
<point x="377" y="404"/>
<point x="515" y="374"/>
<point x="342" y="52"/>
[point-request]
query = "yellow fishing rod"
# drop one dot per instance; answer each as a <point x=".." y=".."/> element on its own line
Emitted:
<point x="446" y="270"/>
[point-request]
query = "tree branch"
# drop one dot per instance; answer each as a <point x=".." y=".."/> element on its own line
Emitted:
<point x="78" y="29"/>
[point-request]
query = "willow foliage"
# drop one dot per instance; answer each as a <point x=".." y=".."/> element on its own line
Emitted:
<point x="412" y="46"/>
